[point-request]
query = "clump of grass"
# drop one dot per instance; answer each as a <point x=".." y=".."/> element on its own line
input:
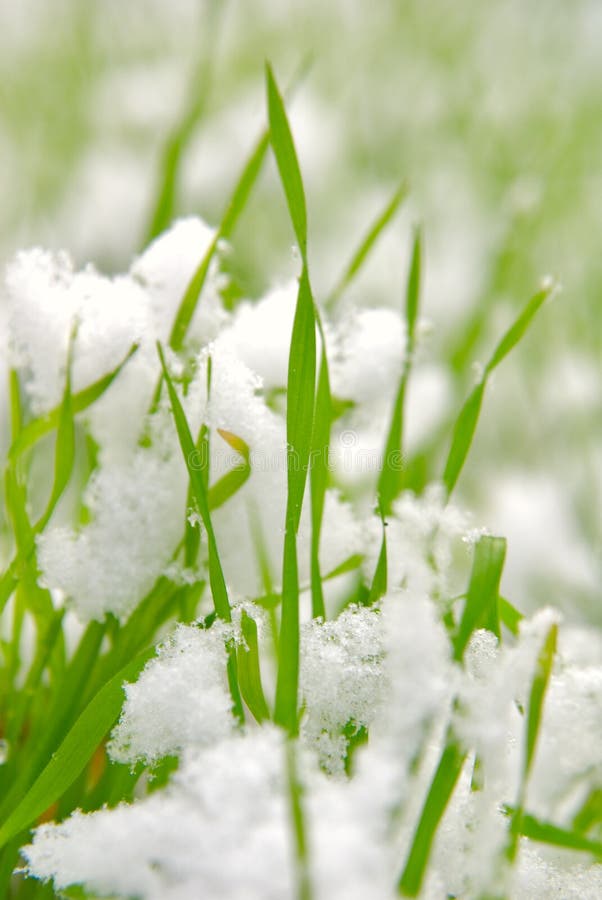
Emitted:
<point x="350" y="623"/>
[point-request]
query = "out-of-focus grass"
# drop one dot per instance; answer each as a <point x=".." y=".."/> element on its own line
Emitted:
<point x="490" y="110"/>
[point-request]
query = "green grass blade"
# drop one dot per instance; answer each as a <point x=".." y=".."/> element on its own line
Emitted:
<point x="348" y="565"/>
<point x="300" y="398"/>
<point x="481" y="607"/>
<point x="16" y="411"/>
<point x="440" y="791"/>
<point x="518" y="329"/>
<point x="378" y="588"/>
<point x="366" y="244"/>
<point x="232" y="481"/>
<point x="38" y="428"/>
<point x="390" y="480"/>
<point x="64" y="453"/>
<point x="299" y="427"/>
<point x="539" y="686"/>
<point x="195" y="473"/>
<point x="413" y="289"/>
<point x="217" y="581"/>
<point x="319" y="472"/>
<point x="462" y="436"/>
<point x="541" y="679"/>
<point x="232" y="213"/>
<point x="180" y="136"/>
<point x="74" y="752"/>
<point x="466" y="423"/>
<point x="299" y="829"/>
<point x="590" y="812"/>
<point x="230" y="218"/>
<point x="510" y="616"/>
<point x="249" y="671"/>
<point x="286" y="160"/>
<point x="555" y="836"/>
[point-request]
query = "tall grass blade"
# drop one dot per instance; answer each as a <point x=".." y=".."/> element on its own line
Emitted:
<point x="286" y="160"/>
<point x="319" y="479"/>
<point x="249" y="672"/>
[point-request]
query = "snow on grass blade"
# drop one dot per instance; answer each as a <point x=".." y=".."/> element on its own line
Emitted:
<point x="319" y="478"/>
<point x="466" y="423"/>
<point x="366" y="244"/>
<point x="217" y="581"/>
<point x="390" y="480"/>
<point x="75" y="751"/>
<point x="286" y="160"/>
<point x="539" y="686"/>
<point x="38" y="428"/>
<point x="440" y="791"/>
<point x="482" y="598"/>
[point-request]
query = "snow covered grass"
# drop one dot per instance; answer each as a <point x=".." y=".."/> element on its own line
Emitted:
<point x="249" y="650"/>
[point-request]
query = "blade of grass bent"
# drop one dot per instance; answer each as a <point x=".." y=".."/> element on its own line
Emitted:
<point x="466" y="422"/>
<point x="286" y="160"/>
<point x="299" y="410"/>
<point x="439" y="794"/>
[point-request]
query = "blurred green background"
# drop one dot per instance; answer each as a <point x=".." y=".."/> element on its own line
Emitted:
<point x="492" y="111"/>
